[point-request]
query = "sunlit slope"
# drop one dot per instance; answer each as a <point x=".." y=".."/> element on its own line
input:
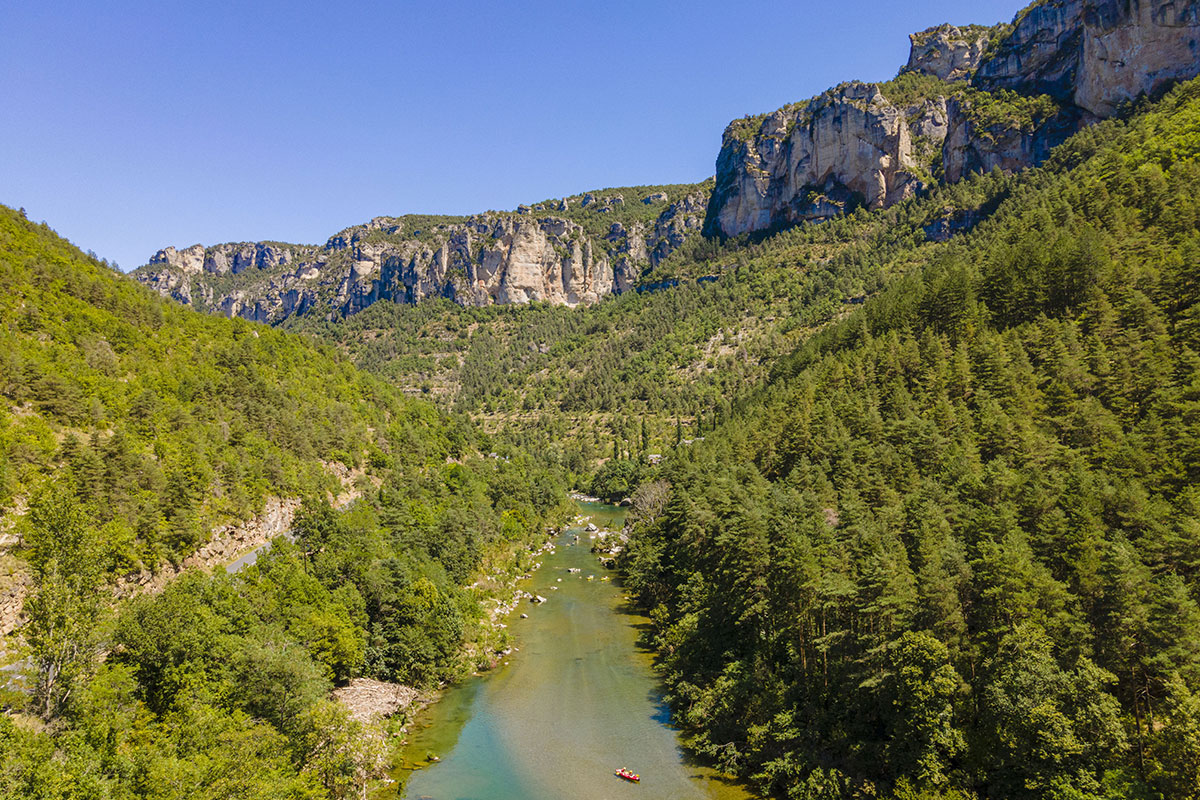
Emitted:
<point x="954" y="541"/>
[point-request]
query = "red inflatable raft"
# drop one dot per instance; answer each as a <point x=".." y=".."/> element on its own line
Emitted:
<point x="627" y="775"/>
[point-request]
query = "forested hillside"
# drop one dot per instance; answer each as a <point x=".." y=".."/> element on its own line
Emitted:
<point x="569" y="251"/>
<point x="639" y="372"/>
<point x="148" y="407"/>
<point x="131" y="427"/>
<point x="914" y="482"/>
<point x="950" y="548"/>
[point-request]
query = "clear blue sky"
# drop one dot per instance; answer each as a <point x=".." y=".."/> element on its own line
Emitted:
<point x="128" y="125"/>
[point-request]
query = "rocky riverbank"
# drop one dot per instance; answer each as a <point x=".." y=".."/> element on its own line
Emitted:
<point x="370" y="700"/>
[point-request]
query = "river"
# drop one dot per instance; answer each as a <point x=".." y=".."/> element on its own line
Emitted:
<point x="575" y="701"/>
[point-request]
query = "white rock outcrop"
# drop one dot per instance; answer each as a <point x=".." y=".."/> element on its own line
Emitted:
<point x="481" y="260"/>
<point x="948" y="52"/>
<point x="851" y="146"/>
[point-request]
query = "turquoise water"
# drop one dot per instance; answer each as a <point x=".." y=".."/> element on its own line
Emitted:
<point x="577" y="701"/>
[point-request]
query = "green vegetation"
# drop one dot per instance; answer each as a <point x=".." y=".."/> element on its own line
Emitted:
<point x="426" y="228"/>
<point x="1008" y="110"/>
<point x="616" y="480"/>
<point x="1002" y="33"/>
<point x="746" y="128"/>
<point x="575" y="385"/>
<point x="1027" y="10"/>
<point x="999" y="109"/>
<point x="216" y="688"/>
<point x="133" y="426"/>
<point x="597" y="218"/>
<point x="969" y="33"/>
<point x="196" y="673"/>
<point x="912" y="89"/>
<point x="949" y="549"/>
<point x="947" y="546"/>
<point x="168" y="421"/>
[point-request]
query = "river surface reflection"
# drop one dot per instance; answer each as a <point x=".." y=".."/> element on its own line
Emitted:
<point x="577" y="701"/>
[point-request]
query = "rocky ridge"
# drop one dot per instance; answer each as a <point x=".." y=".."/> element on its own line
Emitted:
<point x="568" y="252"/>
<point x="813" y="160"/>
<point x="969" y="100"/>
<point x="1096" y="54"/>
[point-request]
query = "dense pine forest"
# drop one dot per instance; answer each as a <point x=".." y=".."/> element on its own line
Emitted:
<point x="640" y="372"/>
<point x="944" y="547"/>
<point x="913" y="493"/>
<point x="132" y="426"/>
<point x="950" y="547"/>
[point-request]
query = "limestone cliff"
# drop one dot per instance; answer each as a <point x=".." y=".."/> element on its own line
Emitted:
<point x="1096" y="54"/>
<point x="975" y="98"/>
<point x="176" y="269"/>
<point x="572" y="251"/>
<point x="849" y="147"/>
<point x="679" y="223"/>
<point x="978" y="141"/>
<point x="948" y="52"/>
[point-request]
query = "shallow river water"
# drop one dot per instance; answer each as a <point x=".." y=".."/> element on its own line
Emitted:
<point x="578" y="700"/>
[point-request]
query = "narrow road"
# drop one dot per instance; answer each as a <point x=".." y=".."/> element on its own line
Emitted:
<point x="15" y="677"/>
<point x="243" y="561"/>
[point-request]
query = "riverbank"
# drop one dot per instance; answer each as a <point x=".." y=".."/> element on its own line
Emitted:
<point x="576" y="699"/>
<point x="495" y="593"/>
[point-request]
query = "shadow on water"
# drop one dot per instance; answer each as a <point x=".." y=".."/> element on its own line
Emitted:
<point x="634" y="616"/>
<point x="662" y="712"/>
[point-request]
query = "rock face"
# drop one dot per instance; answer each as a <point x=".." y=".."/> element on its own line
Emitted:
<point x="947" y="52"/>
<point x="480" y="260"/>
<point x="12" y="602"/>
<point x="171" y="271"/>
<point x="226" y="258"/>
<point x="1007" y="96"/>
<point x="682" y="221"/>
<point x="1097" y="54"/>
<point x="972" y="145"/>
<point x="849" y="147"/>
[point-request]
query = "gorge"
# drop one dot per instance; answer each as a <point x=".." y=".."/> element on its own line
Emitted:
<point x="888" y="436"/>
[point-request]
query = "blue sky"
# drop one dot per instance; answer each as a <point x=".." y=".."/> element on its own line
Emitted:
<point x="130" y="125"/>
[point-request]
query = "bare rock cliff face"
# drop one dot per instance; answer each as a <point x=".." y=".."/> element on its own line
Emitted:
<point x="171" y="271"/>
<point x="947" y="52"/>
<point x="850" y="146"/>
<point x="683" y="220"/>
<point x="972" y="145"/>
<point x="481" y="260"/>
<point x="1097" y="54"/>
<point x="853" y="147"/>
